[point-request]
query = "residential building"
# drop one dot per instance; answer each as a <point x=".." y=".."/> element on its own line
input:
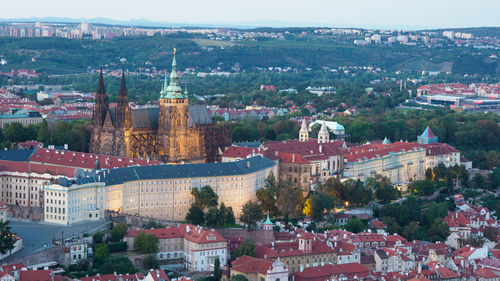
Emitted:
<point x="305" y="251"/>
<point x="255" y="269"/>
<point x="195" y="246"/>
<point x="77" y="251"/>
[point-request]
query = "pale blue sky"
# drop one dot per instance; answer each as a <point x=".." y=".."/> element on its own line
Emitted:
<point x="358" y="13"/>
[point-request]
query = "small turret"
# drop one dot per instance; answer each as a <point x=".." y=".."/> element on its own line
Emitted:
<point x="323" y="135"/>
<point x="304" y="132"/>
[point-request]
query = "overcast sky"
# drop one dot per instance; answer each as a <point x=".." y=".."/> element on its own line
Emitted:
<point x="357" y="13"/>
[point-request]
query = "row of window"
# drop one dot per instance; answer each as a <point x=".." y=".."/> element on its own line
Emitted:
<point x="57" y="210"/>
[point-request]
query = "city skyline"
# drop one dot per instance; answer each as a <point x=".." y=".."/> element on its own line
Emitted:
<point x="385" y="14"/>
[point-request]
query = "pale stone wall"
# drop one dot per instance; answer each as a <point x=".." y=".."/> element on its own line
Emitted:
<point x="398" y="167"/>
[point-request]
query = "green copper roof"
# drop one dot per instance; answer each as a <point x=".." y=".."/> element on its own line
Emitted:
<point x="173" y="90"/>
<point x="268" y="221"/>
<point x="386" y="141"/>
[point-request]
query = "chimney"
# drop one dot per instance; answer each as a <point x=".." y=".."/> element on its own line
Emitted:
<point x="320" y="148"/>
<point x="66" y="146"/>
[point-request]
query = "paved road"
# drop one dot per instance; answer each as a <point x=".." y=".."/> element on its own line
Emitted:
<point x="37" y="235"/>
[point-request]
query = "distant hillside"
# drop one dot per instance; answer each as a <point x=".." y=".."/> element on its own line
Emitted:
<point x="62" y="56"/>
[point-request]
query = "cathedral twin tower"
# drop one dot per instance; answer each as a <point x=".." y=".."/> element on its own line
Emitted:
<point x="173" y="132"/>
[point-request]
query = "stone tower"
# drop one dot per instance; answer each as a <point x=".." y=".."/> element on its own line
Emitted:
<point x="304" y="132"/>
<point x="99" y="116"/>
<point x="123" y="121"/>
<point x="323" y="135"/>
<point x="173" y="126"/>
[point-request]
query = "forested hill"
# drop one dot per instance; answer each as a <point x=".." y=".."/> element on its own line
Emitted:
<point x="63" y="56"/>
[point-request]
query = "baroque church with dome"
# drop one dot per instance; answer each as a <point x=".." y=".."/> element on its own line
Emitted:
<point x="173" y="131"/>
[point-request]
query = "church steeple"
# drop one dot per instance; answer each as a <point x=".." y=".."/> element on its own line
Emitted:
<point x="323" y="135"/>
<point x="122" y="115"/>
<point x="304" y="132"/>
<point x="101" y="105"/>
<point x="173" y="90"/>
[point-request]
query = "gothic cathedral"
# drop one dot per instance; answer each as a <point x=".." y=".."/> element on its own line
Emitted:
<point x="173" y="132"/>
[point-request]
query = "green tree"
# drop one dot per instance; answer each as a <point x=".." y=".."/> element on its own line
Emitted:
<point x="98" y="237"/>
<point x="392" y="225"/>
<point x="422" y="187"/>
<point x="439" y="230"/>
<point x="217" y="270"/>
<point x="225" y="216"/>
<point x="150" y="262"/>
<point x="321" y="202"/>
<point x="146" y="243"/>
<point x="355" y="225"/>
<point x="490" y="233"/>
<point x="411" y="231"/>
<point x="429" y="175"/>
<point x="238" y="277"/>
<point x="205" y="197"/>
<point x="434" y="211"/>
<point x="212" y="218"/>
<point x="478" y="181"/>
<point x="6" y="237"/>
<point x="251" y="213"/>
<point x="118" y="232"/>
<point x="288" y="198"/>
<point x="247" y="247"/>
<point x="384" y="191"/>
<point x="101" y="251"/>
<point x="43" y="133"/>
<point x="476" y="242"/>
<point x="14" y="132"/>
<point x="195" y="215"/>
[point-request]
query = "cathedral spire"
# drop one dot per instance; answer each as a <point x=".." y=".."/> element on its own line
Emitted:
<point x="173" y="90"/>
<point x="123" y="87"/>
<point x="122" y="113"/>
<point x="101" y="104"/>
<point x="100" y="88"/>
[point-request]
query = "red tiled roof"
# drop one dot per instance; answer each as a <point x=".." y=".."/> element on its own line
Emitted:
<point x="195" y="234"/>
<point x="287" y="249"/>
<point x="374" y="151"/>
<point x="321" y="273"/>
<point x="246" y="265"/>
<point x="485" y="273"/>
<point x="158" y="275"/>
<point x="419" y="278"/>
<point x="85" y="160"/>
<point x="434" y="149"/>
<point x="378" y="224"/>
<point x="12" y="267"/>
<point x="310" y="149"/>
<point x="24" y="167"/>
<point x="105" y="277"/>
<point x="239" y="151"/>
<point x="35" y="275"/>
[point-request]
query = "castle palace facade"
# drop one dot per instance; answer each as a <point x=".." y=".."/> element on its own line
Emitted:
<point x="173" y="132"/>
